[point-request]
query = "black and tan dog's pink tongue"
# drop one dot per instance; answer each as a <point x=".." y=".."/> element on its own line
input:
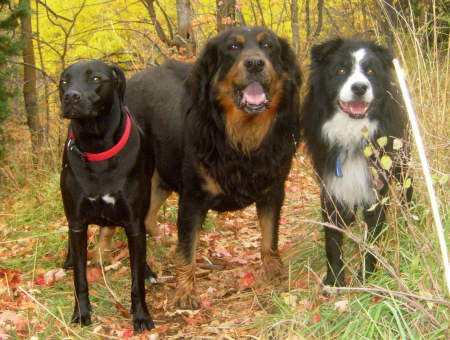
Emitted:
<point x="355" y="107"/>
<point x="254" y="94"/>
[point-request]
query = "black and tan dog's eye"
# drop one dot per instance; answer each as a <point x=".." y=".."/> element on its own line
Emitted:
<point x="234" y="46"/>
<point x="266" y="45"/>
<point x="96" y="79"/>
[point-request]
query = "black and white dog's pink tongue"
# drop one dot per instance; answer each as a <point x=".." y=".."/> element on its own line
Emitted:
<point x="355" y="107"/>
<point x="254" y="94"/>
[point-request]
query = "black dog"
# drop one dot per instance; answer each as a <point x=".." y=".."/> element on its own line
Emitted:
<point x="352" y="102"/>
<point x="224" y="132"/>
<point x="105" y="176"/>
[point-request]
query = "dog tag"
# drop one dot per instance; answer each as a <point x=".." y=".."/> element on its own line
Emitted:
<point x="338" y="167"/>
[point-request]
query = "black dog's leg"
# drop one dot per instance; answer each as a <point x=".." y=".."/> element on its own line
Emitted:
<point x="78" y="244"/>
<point x="375" y="220"/>
<point x="190" y="218"/>
<point x="268" y="210"/>
<point x="68" y="263"/>
<point x="137" y="246"/>
<point x="335" y="214"/>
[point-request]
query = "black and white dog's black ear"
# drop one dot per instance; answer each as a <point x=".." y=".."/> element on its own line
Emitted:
<point x="120" y="81"/>
<point x="384" y="54"/>
<point x="289" y="61"/>
<point x="320" y="52"/>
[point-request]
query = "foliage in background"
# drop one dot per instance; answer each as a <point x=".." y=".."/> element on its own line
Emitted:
<point x="9" y="46"/>
<point x="405" y="299"/>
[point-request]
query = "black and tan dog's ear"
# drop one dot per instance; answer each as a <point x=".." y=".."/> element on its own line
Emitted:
<point x="120" y="81"/>
<point x="289" y="62"/>
<point x="202" y="72"/>
<point x="321" y="51"/>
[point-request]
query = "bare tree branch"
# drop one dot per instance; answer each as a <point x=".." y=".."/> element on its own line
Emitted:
<point x="44" y="4"/>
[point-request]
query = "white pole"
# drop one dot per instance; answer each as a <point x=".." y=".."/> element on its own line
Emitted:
<point x="425" y="168"/>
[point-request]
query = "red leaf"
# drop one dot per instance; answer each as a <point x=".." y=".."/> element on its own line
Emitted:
<point x="377" y="299"/>
<point x="316" y="317"/>
<point x="40" y="280"/>
<point x="127" y="333"/>
<point x="248" y="279"/>
<point x="93" y="274"/>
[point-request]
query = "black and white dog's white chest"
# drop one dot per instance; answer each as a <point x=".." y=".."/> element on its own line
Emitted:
<point x="350" y="180"/>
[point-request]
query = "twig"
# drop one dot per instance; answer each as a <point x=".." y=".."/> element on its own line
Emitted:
<point x="408" y="297"/>
<point x="52" y="11"/>
<point x="31" y="237"/>
<point x="369" y="248"/>
<point x="426" y="170"/>
<point x="49" y="312"/>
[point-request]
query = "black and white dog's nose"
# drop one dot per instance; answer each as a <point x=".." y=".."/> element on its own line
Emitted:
<point x="72" y="96"/>
<point x="359" y="88"/>
<point x="254" y="65"/>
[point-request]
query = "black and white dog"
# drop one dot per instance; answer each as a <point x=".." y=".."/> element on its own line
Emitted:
<point x="352" y="103"/>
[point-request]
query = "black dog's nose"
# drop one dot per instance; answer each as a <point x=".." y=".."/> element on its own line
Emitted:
<point x="72" y="96"/>
<point x="254" y="65"/>
<point x="359" y="88"/>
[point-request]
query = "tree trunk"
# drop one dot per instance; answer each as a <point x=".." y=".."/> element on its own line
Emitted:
<point x="185" y="33"/>
<point x="226" y="14"/>
<point x="29" y="84"/>
<point x="295" y="26"/>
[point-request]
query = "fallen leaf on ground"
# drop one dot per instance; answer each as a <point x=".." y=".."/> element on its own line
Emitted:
<point x="93" y="274"/>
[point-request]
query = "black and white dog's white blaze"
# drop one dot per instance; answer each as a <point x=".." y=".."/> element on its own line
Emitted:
<point x="351" y="103"/>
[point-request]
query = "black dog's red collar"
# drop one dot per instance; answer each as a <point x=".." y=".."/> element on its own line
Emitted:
<point x="102" y="156"/>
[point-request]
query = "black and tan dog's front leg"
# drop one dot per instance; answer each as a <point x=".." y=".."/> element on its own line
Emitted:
<point x="268" y="210"/>
<point x="191" y="215"/>
<point x="78" y="247"/>
<point x="137" y="246"/>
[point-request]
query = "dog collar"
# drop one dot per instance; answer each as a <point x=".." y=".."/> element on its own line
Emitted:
<point x="102" y="156"/>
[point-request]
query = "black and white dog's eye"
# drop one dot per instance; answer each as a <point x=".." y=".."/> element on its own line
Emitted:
<point x="341" y="71"/>
<point x="369" y="71"/>
<point x="96" y="79"/>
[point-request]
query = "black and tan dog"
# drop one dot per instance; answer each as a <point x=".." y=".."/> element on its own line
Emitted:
<point x="105" y="176"/>
<point x="224" y="132"/>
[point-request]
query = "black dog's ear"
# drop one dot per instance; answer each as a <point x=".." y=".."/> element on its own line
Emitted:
<point x="120" y="81"/>
<point x="321" y="51"/>
<point x="202" y="72"/>
<point x="289" y="61"/>
<point x="384" y="54"/>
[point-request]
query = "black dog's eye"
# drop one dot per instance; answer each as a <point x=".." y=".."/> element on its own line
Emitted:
<point x="266" y="44"/>
<point x="64" y="82"/>
<point x="341" y="71"/>
<point x="96" y="79"/>
<point x="234" y="46"/>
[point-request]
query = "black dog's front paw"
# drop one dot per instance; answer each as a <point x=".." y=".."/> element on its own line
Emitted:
<point x="142" y="323"/>
<point x="82" y="318"/>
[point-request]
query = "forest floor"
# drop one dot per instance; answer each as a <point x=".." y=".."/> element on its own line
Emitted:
<point x="36" y="295"/>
